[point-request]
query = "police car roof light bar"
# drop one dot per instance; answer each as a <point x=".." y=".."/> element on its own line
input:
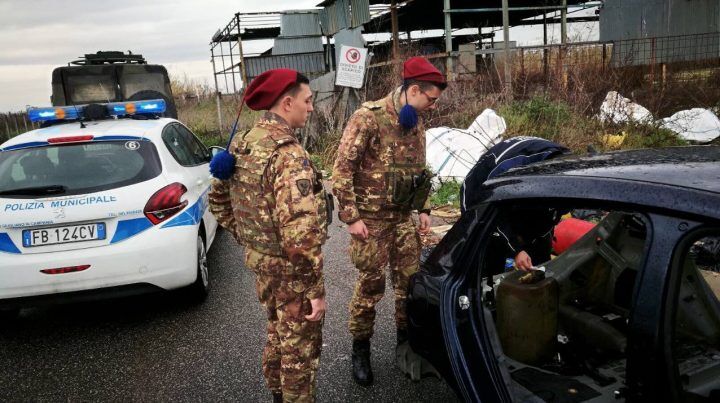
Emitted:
<point x="153" y="106"/>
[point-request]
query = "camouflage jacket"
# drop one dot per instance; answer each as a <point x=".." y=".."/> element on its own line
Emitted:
<point x="275" y="202"/>
<point x="374" y="156"/>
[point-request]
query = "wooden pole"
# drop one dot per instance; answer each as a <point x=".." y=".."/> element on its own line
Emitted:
<point x="217" y="92"/>
<point x="395" y="28"/>
<point x="545" y="50"/>
<point x="506" y="39"/>
<point x="563" y="41"/>
<point x="448" y="42"/>
<point x="243" y="70"/>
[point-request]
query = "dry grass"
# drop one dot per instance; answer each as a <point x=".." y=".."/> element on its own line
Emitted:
<point x="558" y="104"/>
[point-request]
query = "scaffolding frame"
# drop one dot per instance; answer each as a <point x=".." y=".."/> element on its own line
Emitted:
<point x="227" y="44"/>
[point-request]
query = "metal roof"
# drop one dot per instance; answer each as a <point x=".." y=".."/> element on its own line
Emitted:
<point x="420" y="15"/>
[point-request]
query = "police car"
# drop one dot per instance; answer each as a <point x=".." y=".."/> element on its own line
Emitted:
<point x="105" y="200"/>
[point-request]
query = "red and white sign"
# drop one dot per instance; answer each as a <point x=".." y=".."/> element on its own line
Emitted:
<point x="351" y="67"/>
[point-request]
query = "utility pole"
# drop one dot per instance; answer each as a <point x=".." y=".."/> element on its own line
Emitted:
<point x="448" y="42"/>
<point x="563" y="42"/>
<point x="506" y="39"/>
<point x="394" y="21"/>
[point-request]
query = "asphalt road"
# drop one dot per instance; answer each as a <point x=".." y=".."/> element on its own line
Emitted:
<point x="162" y="347"/>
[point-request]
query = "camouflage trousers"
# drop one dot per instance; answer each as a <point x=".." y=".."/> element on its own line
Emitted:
<point x="396" y="244"/>
<point x="292" y="351"/>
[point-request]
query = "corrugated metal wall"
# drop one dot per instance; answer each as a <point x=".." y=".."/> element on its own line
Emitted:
<point x="344" y="14"/>
<point x="288" y="46"/>
<point x="336" y="16"/>
<point x="299" y="24"/>
<point x="324" y="21"/>
<point x="310" y="64"/>
<point x="642" y="20"/>
<point x="299" y="33"/>
<point x="634" y="19"/>
<point x="359" y="12"/>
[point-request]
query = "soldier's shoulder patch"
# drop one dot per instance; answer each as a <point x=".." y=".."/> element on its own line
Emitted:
<point x="282" y="138"/>
<point x="303" y="186"/>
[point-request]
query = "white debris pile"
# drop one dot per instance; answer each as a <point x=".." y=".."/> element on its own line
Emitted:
<point x="451" y="152"/>
<point x="618" y="109"/>
<point x="697" y="124"/>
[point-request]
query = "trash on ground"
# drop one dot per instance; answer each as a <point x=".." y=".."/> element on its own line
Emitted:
<point x="697" y="124"/>
<point x="448" y="211"/>
<point x="452" y="152"/>
<point x="618" y="109"/>
<point x="613" y="141"/>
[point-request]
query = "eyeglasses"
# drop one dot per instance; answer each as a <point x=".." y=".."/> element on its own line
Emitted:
<point x="431" y="99"/>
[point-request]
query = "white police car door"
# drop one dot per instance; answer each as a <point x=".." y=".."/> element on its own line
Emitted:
<point x="194" y="158"/>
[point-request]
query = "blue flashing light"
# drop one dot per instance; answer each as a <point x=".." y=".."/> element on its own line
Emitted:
<point x="57" y="113"/>
<point x="153" y="106"/>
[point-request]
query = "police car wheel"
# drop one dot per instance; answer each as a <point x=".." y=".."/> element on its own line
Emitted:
<point x="200" y="288"/>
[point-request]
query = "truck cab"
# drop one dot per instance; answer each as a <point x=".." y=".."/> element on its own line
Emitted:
<point x="111" y="76"/>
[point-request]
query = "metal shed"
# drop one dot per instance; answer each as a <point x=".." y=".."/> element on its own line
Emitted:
<point x="653" y="30"/>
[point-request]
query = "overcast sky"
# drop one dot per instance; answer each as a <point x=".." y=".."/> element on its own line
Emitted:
<point x="38" y="35"/>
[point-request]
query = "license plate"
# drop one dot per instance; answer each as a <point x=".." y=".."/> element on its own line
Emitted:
<point x="67" y="234"/>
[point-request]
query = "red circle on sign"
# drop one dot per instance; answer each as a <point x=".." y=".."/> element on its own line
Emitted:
<point x="352" y="55"/>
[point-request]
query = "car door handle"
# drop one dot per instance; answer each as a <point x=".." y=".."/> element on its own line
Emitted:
<point x="200" y="182"/>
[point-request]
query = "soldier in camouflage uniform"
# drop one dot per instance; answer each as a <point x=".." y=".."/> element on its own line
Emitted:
<point x="275" y="205"/>
<point x="379" y="178"/>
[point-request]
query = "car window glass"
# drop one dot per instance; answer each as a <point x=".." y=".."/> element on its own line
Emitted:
<point x="200" y="153"/>
<point x="91" y="88"/>
<point x="451" y="245"/>
<point x="144" y="81"/>
<point x="183" y="146"/>
<point x="80" y="168"/>
<point x="562" y="324"/>
<point x="696" y="340"/>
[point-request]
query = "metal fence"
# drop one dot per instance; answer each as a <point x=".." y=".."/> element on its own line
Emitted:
<point x="650" y="62"/>
<point x="12" y="124"/>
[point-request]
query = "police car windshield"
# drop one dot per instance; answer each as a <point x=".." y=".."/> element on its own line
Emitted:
<point x="76" y="168"/>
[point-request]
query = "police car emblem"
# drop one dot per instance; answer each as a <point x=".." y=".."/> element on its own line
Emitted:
<point x="303" y="186"/>
<point x="132" y="145"/>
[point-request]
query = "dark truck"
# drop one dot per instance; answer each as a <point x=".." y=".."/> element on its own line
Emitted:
<point x="111" y="77"/>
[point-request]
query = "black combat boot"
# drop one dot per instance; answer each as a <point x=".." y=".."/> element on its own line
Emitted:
<point x="277" y="397"/>
<point x="362" y="372"/>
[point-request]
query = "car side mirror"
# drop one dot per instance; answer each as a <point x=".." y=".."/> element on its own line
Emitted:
<point x="214" y="150"/>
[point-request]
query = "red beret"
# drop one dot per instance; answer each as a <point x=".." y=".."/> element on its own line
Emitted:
<point x="418" y="68"/>
<point x="266" y="88"/>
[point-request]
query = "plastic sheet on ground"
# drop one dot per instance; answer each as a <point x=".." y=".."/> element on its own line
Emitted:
<point x="697" y="124"/>
<point x="618" y="109"/>
<point x="451" y="152"/>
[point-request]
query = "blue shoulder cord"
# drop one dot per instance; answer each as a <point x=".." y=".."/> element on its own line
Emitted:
<point x="222" y="165"/>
